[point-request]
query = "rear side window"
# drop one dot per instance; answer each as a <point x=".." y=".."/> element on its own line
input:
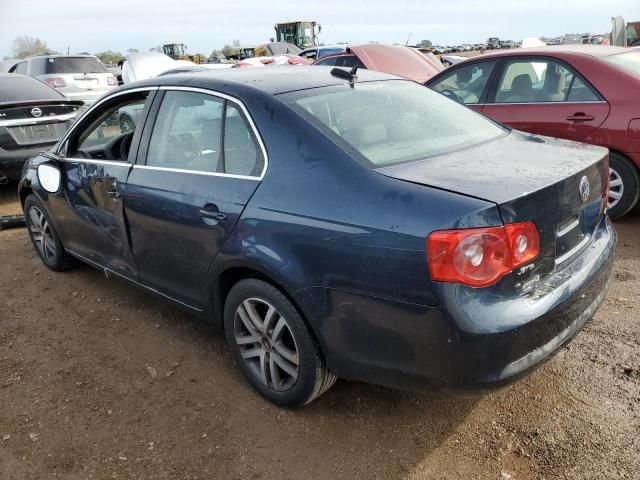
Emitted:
<point x="393" y="121"/>
<point x="20" y="89"/>
<point x="203" y="133"/>
<point x="73" y="65"/>
<point x="465" y="83"/>
<point x="541" y="81"/>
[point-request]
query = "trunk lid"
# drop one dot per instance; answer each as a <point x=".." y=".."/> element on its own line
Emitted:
<point x="557" y="184"/>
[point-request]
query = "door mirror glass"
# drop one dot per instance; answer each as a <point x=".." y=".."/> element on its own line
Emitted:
<point x="49" y="177"/>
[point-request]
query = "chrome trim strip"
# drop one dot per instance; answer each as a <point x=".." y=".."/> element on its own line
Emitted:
<point x="98" y="103"/>
<point x="101" y="162"/>
<point x="108" y="270"/>
<point x="567" y="255"/>
<point x="197" y="172"/>
<point x="568" y="228"/>
<point x="246" y="114"/>
<point x="35" y="121"/>
<point x="543" y="103"/>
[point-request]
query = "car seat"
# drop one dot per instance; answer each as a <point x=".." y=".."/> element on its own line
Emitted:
<point x="521" y="89"/>
<point x="553" y="88"/>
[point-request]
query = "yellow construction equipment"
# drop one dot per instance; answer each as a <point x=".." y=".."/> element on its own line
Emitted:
<point x="301" y="33"/>
<point x="178" y="51"/>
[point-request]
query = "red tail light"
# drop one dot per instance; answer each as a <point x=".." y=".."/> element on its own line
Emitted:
<point x="56" y="82"/>
<point x="479" y="257"/>
<point x="112" y="81"/>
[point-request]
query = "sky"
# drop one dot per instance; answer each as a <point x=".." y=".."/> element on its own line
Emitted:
<point x="98" y="25"/>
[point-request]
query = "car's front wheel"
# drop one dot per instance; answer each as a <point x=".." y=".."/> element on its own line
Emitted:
<point x="272" y="345"/>
<point x="624" y="185"/>
<point x="44" y="237"/>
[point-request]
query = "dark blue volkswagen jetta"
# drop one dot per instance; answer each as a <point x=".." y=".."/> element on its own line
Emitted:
<point x="335" y="226"/>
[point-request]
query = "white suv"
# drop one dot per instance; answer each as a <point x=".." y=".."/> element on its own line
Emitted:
<point x="77" y="77"/>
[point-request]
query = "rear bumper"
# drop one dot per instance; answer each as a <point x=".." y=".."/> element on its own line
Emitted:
<point x="477" y="339"/>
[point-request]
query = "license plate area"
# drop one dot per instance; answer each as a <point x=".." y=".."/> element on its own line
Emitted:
<point x="573" y="234"/>
<point x="37" y="134"/>
<point x="86" y="82"/>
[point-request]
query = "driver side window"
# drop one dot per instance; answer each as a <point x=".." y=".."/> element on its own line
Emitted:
<point x="465" y="83"/>
<point x="109" y="135"/>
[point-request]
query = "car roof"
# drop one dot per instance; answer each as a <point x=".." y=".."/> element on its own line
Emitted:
<point x="272" y="80"/>
<point x="590" y="50"/>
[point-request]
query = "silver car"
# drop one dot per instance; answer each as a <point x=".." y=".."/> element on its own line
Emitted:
<point x="77" y="77"/>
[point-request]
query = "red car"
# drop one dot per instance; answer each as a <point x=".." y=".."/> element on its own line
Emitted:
<point x="395" y="59"/>
<point x="586" y="93"/>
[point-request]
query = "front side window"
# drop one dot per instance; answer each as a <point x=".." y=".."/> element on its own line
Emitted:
<point x="465" y="83"/>
<point x="393" y="121"/>
<point x="203" y="133"/>
<point x="108" y="133"/>
<point x="541" y="81"/>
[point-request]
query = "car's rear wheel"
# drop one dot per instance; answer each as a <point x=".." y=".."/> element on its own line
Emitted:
<point x="44" y="237"/>
<point x="272" y="345"/>
<point x="624" y="185"/>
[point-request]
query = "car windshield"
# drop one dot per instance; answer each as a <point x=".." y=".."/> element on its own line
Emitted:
<point x="392" y="122"/>
<point x="629" y="61"/>
<point x="74" y="65"/>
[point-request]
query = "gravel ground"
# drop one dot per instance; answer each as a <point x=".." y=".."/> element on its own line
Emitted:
<point x="98" y="380"/>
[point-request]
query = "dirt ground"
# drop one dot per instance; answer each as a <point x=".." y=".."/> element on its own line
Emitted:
<point x="98" y="380"/>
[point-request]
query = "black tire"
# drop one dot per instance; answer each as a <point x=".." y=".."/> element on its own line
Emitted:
<point x="626" y="171"/>
<point x="312" y="376"/>
<point x="44" y="237"/>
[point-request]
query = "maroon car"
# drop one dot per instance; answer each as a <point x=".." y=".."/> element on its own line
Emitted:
<point x="398" y="60"/>
<point x="586" y="93"/>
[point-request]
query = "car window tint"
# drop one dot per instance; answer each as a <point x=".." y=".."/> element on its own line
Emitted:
<point x="348" y="61"/>
<point x="102" y="137"/>
<point x="579" y="91"/>
<point x="74" y="65"/>
<point x="465" y="83"/>
<point x="187" y="133"/>
<point x="21" y="68"/>
<point x="534" y="81"/>
<point x="327" y="62"/>
<point x="241" y="153"/>
<point x="392" y="122"/>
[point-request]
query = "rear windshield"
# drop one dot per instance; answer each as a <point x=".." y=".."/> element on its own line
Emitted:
<point x="24" y="89"/>
<point x="629" y="61"/>
<point x="73" y="65"/>
<point x="392" y="122"/>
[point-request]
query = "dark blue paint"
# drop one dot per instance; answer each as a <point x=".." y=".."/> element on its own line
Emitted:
<point x="347" y="244"/>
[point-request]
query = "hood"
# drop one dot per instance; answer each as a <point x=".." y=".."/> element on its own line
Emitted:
<point x="397" y="60"/>
<point x="141" y="66"/>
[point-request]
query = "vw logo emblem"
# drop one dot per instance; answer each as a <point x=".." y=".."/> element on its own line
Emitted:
<point x="584" y="189"/>
<point x="36" y="112"/>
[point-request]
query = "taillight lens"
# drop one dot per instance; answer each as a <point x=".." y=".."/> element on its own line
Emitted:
<point x="112" y="81"/>
<point x="479" y="257"/>
<point x="56" y="82"/>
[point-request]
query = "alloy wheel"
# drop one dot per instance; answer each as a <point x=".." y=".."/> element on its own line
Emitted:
<point x="42" y="234"/>
<point x="616" y="188"/>
<point x="266" y="343"/>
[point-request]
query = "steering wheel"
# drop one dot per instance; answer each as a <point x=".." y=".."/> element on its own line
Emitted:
<point x="453" y="95"/>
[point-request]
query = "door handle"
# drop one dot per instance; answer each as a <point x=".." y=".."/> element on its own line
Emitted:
<point x="580" y="117"/>
<point x="211" y="212"/>
<point x="214" y="215"/>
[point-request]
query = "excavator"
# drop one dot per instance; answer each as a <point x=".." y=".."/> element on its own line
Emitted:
<point x="178" y="51"/>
